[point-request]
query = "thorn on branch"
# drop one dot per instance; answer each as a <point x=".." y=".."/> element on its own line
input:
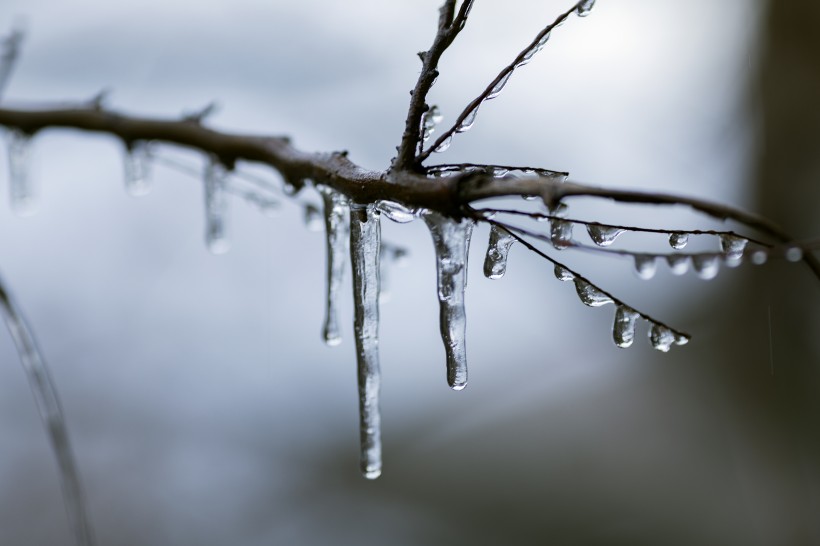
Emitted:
<point x="200" y="115"/>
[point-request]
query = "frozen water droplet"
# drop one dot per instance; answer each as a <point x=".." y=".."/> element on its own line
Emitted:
<point x="216" y="207"/>
<point x="590" y="295"/>
<point x="560" y="209"/>
<point x="603" y="235"/>
<point x="337" y="233"/>
<point x="137" y="163"/>
<point x="681" y="339"/>
<point x="563" y="274"/>
<point x="645" y="266"/>
<point x="365" y="245"/>
<point x="706" y="265"/>
<point x="760" y="257"/>
<point x="468" y="122"/>
<point x="623" y="329"/>
<point x="495" y="264"/>
<point x="732" y="246"/>
<point x="794" y="254"/>
<point x="21" y="193"/>
<point x="500" y="172"/>
<point x="584" y="7"/>
<point x="661" y="337"/>
<point x="313" y="218"/>
<point x="497" y="88"/>
<point x="451" y="239"/>
<point x="445" y="144"/>
<point x="678" y="240"/>
<point x="678" y="263"/>
<point x="397" y="212"/>
<point x="430" y="119"/>
<point x="560" y="233"/>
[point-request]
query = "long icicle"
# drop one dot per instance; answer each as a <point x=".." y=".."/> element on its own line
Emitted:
<point x="451" y="239"/>
<point x="337" y="234"/>
<point x="365" y="243"/>
<point x="51" y="413"/>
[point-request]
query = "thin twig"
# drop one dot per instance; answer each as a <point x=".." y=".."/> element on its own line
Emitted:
<point x="9" y="56"/>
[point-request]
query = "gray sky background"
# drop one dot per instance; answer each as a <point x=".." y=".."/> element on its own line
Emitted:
<point x="204" y="407"/>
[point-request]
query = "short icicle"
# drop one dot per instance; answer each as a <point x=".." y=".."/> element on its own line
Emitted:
<point x="21" y="193"/>
<point x="136" y="164"/>
<point x="584" y="7"/>
<point x="495" y="264"/>
<point x="216" y="207"/>
<point x="623" y="330"/>
<point x="451" y="239"/>
<point x="365" y="243"/>
<point x="337" y="233"/>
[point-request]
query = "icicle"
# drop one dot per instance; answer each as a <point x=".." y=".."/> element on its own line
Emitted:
<point x="678" y="263"/>
<point x="51" y="413"/>
<point x="497" y="88"/>
<point x="661" y="337"/>
<point x="603" y="235"/>
<point x="706" y="265"/>
<point x="396" y="212"/>
<point x="590" y="295"/>
<point x="137" y="163"/>
<point x="678" y="240"/>
<point x="22" y="198"/>
<point x="563" y="274"/>
<point x="495" y="264"/>
<point x="468" y="122"/>
<point x="337" y="233"/>
<point x="216" y="207"/>
<point x="365" y="243"/>
<point x="445" y="144"/>
<point x="645" y="266"/>
<point x="584" y="7"/>
<point x="623" y="330"/>
<point x="451" y="239"/>
<point x="561" y="234"/>
<point x="430" y="119"/>
<point x="732" y="246"/>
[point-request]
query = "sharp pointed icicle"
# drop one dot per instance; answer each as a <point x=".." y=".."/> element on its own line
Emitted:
<point x="495" y="264"/>
<point x="337" y="233"/>
<point x="365" y="244"/>
<point x="584" y="7"/>
<point x="603" y="235"/>
<point x="590" y="295"/>
<point x="216" y="207"/>
<point x="21" y="193"/>
<point x="136" y="163"/>
<point x="645" y="266"/>
<point x="451" y="239"/>
<point x="706" y="265"/>
<point x="678" y="240"/>
<point x="623" y="330"/>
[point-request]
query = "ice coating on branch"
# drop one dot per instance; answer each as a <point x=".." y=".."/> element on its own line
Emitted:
<point x="216" y="207"/>
<point x="584" y="7"/>
<point x="451" y="240"/>
<point x="678" y="263"/>
<point x="497" y="88"/>
<point x="603" y="235"/>
<point x="530" y="53"/>
<point x="645" y="266"/>
<point x="661" y="337"/>
<point x="445" y="144"/>
<point x="468" y="121"/>
<point x="495" y="263"/>
<point x="396" y="212"/>
<point x="732" y="247"/>
<point x="136" y="163"/>
<point x="563" y="274"/>
<point x="313" y="218"/>
<point x="21" y="193"/>
<point x="365" y="246"/>
<point x="51" y="414"/>
<point x="678" y="240"/>
<point x="706" y="265"/>
<point x="337" y="232"/>
<point x="623" y="329"/>
<point x="561" y="233"/>
<point x="429" y="120"/>
<point x="590" y="295"/>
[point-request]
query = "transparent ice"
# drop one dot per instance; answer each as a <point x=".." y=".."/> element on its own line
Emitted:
<point x="678" y="263"/>
<point x="561" y="233"/>
<point x="495" y="263"/>
<point x="337" y="233"/>
<point x="706" y="265"/>
<point x="590" y="295"/>
<point x="137" y="163"/>
<point x="584" y="7"/>
<point x="603" y="235"/>
<point x="21" y="193"/>
<point x="645" y="266"/>
<point x="623" y="329"/>
<point x="678" y="240"/>
<point x="661" y="337"/>
<point x="216" y="207"/>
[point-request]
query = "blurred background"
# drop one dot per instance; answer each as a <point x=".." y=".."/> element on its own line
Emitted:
<point x="203" y="406"/>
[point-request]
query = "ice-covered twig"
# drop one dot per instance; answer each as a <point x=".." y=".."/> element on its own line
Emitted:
<point x="51" y="413"/>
